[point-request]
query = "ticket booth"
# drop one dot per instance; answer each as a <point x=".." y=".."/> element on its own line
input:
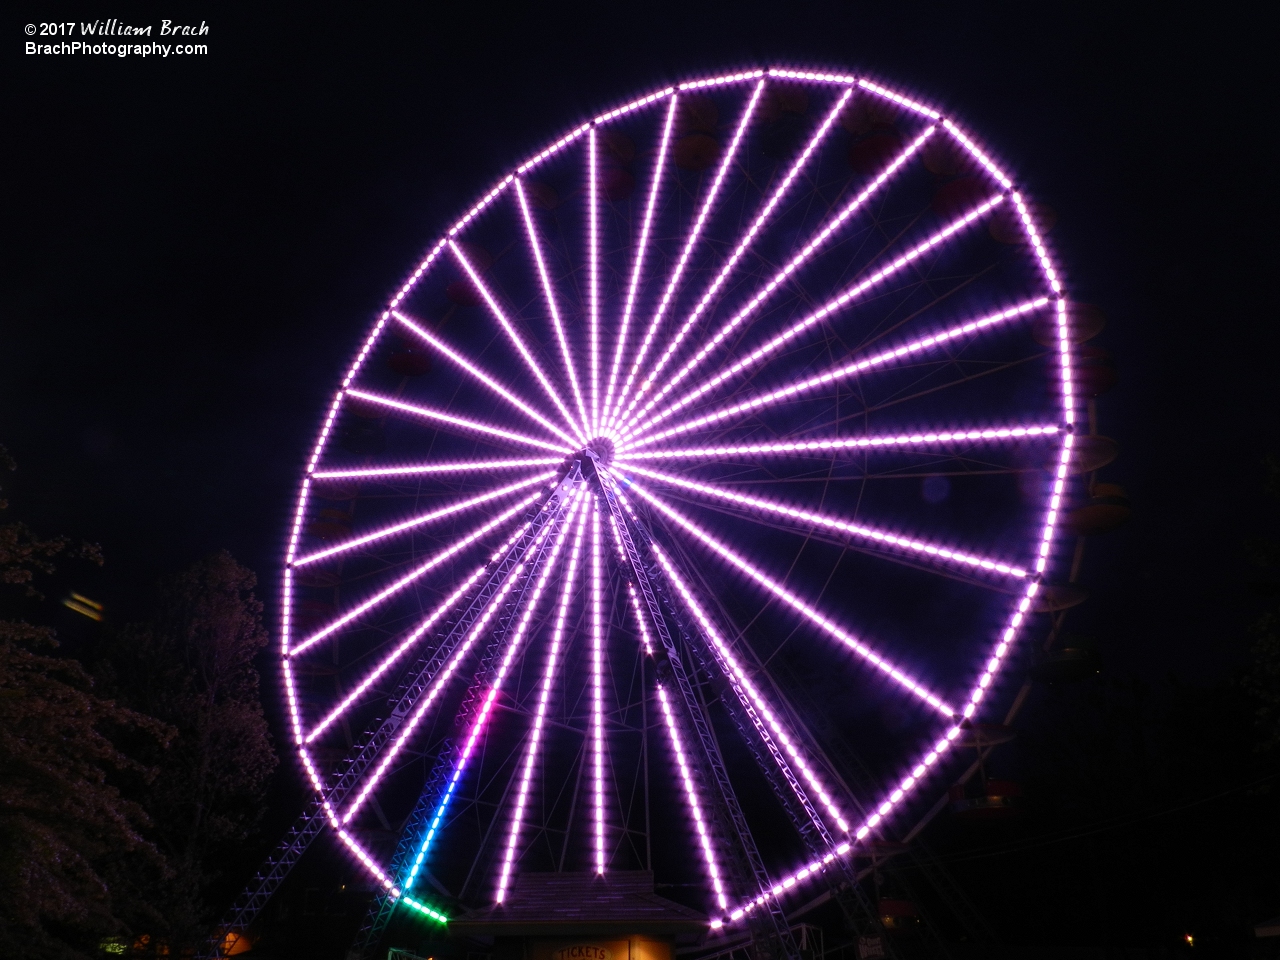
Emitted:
<point x="582" y="916"/>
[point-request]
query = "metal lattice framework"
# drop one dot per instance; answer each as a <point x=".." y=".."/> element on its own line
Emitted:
<point x="748" y="368"/>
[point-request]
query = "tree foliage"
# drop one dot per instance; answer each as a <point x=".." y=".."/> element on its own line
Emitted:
<point x="68" y="836"/>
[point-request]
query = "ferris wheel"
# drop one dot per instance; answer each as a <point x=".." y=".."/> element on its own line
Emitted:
<point x="740" y="415"/>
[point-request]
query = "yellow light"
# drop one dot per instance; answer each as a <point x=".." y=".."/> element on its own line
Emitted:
<point x="1191" y="941"/>
<point x="84" y="606"/>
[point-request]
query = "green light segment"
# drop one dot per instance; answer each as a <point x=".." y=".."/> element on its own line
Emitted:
<point x="422" y="908"/>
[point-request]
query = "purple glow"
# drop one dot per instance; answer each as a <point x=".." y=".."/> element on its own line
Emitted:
<point x="597" y="687"/>
<point x="426" y="469"/>
<point x="439" y="416"/>
<point x="593" y="290"/>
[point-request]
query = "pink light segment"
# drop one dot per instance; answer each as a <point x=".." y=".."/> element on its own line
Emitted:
<point x="914" y="347"/>
<point x="512" y="334"/>
<point x="783" y="448"/>
<point x="593" y="276"/>
<point x="857" y="530"/>
<point x="439" y="416"/>
<point x="766" y="211"/>
<point x="425" y="703"/>
<point x="597" y="687"/>
<point x="827" y="625"/>
<point x="418" y="521"/>
<point x="443" y="467"/>
<point x="828" y="308"/>
<point x="733" y="670"/>
<point x="695" y="233"/>
<point x="557" y="324"/>
<point x="456" y="547"/>
<point x="691" y="795"/>
<point x="548" y="679"/>
<point x="641" y="248"/>
<point x="645" y="639"/>
<point x="446" y="351"/>
<point x="794" y="264"/>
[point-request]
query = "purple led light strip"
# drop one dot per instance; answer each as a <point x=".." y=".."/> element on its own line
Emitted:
<point x="831" y="306"/>
<point x="791" y="267"/>
<point x="882" y="442"/>
<point x="641" y="248"/>
<point x="458" y="545"/>
<point x="695" y="233"/>
<point x="548" y="678"/>
<point x="516" y="340"/>
<point x="856" y="530"/>
<point x="922" y="345"/>
<point x="597" y="686"/>
<point x="428" y="700"/>
<point x="593" y="277"/>
<point x="766" y="211"/>
<point x="556" y="323"/>
<point x="734" y="670"/>
<point x="425" y="469"/>
<point x="445" y="350"/>
<point x="825" y="623"/>
<point x="439" y="416"/>
<point x="458" y="507"/>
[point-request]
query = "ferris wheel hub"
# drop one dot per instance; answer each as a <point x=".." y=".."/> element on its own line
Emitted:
<point x="602" y="449"/>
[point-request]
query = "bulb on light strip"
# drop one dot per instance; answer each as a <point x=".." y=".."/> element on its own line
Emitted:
<point x="729" y="664"/>
<point x="488" y="380"/>
<point x="548" y="678"/>
<point x="691" y="795"/>
<point x="418" y="521"/>
<point x="516" y="340"/>
<point x="642" y="247"/>
<point x="695" y="233"/>
<point x="832" y="445"/>
<point x="794" y="264"/>
<point x="827" y="625"/>
<point x="831" y="306"/>
<point x="548" y="293"/>
<point x="741" y="248"/>
<point x="458" y="545"/>
<point x="856" y="530"/>
<point x="854" y="368"/>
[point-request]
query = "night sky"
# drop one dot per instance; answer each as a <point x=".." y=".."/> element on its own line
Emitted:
<point x="195" y="248"/>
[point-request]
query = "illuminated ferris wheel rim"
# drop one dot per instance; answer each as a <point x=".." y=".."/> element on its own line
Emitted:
<point x="619" y="423"/>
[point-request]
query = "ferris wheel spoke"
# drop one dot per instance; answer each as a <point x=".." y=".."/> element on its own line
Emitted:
<point x="833" y="305"/>
<point x="808" y="518"/>
<point x="477" y="373"/>
<point x="469" y="467"/>
<point x="535" y="245"/>
<point x="405" y="732"/>
<point x="457" y="546"/>
<point x="548" y="680"/>
<point x="439" y="514"/>
<point x="512" y="649"/>
<point x="795" y="263"/>
<point x="742" y="246"/>
<point x="597" y="689"/>
<point x="815" y="616"/>
<point x="880" y="442"/>
<point x="763" y="716"/>
<point x="461" y="424"/>
<point x="922" y="346"/>
<point x="593" y="276"/>
<point x="512" y="334"/>
<point x="393" y="658"/>
<point x="695" y="234"/>
<point x="642" y="247"/>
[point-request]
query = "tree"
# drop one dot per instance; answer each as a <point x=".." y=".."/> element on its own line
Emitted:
<point x="192" y="666"/>
<point x="66" y="831"/>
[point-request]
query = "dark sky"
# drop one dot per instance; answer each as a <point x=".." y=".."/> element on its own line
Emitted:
<point x="194" y="246"/>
